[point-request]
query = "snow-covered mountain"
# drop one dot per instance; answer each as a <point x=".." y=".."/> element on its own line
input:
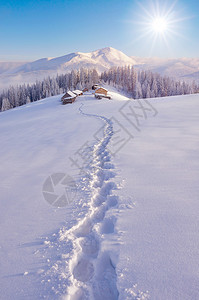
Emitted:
<point x="102" y="59"/>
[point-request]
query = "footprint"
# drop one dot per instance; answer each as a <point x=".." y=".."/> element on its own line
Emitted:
<point x="107" y="188"/>
<point x="98" y="200"/>
<point x="108" y="174"/>
<point x="108" y="226"/>
<point x="84" y="270"/>
<point x="90" y="245"/>
<point x="112" y="201"/>
<point x="84" y="229"/>
<point x="105" y="280"/>
<point x="108" y="165"/>
<point x="99" y="214"/>
<point x="81" y="294"/>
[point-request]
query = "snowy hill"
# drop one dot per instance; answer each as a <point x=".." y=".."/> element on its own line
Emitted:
<point x="99" y="199"/>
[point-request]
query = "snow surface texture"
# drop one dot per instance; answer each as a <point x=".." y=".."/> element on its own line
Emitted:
<point x="103" y="59"/>
<point x="132" y="230"/>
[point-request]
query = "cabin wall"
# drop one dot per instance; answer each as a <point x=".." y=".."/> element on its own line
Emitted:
<point x="101" y="91"/>
<point x="66" y="101"/>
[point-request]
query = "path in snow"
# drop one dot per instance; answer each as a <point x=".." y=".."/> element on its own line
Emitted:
<point x="93" y="274"/>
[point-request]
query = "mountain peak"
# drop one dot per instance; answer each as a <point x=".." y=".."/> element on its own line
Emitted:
<point x="108" y="49"/>
<point x="101" y="60"/>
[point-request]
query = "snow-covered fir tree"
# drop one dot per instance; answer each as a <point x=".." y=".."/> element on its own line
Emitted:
<point x="146" y="84"/>
<point x="5" y="104"/>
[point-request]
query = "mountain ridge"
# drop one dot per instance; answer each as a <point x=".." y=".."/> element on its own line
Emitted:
<point x="102" y="59"/>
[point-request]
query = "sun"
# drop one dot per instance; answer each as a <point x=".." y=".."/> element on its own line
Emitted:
<point x="159" y="25"/>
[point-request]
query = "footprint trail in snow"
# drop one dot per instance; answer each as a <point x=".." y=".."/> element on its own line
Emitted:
<point x="92" y="272"/>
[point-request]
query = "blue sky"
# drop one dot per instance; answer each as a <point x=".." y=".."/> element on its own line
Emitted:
<point x="45" y="28"/>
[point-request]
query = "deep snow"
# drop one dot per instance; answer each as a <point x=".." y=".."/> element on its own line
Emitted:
<point x="131" y="231"/>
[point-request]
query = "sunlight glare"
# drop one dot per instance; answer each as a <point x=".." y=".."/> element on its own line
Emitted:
<point x="159" y="25"/>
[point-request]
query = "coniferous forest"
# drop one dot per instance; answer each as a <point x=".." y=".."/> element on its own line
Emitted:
<point x="136" y="84"/>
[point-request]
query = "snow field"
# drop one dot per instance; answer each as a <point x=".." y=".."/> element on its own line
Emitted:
<point x="132" y="231"/>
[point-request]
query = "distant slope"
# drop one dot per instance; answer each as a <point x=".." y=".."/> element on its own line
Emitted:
<point x="180" y="68"/>
<point x="9" y="66"/>
<point x="192" y="76"/>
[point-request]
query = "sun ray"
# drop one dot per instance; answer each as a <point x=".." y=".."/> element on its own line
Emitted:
<point x="173" y="32"/>
<point x="144" y="9"/>
<point x="170" y="9"/>
<point x="145" y="34"/>
<point x="166" y="41"/>
<point x="153" y="44"/>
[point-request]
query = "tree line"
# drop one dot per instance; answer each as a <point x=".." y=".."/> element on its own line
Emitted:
<point x="136" y="83"/>
<point x="140" y="84"/>
<point x="27" y="93"/>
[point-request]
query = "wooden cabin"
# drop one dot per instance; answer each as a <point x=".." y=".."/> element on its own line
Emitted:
<point x="77" y="92"/>
<point x="102" y="91"/>
<point x="68" y="97"/>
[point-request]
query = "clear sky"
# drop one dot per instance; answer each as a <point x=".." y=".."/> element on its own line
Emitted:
<point x="47" y="28"/>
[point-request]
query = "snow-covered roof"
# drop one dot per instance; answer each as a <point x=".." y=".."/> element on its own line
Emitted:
<point x="78" y="92"/>
<point x="68" y="95"/>
<point x="101" y="88"/>
<point x="71" y="94"/>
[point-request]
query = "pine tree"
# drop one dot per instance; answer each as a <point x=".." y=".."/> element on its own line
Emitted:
<point x="28" y="100"/>
<point x="5" y="104"/>
<point x="95" y="77"/>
